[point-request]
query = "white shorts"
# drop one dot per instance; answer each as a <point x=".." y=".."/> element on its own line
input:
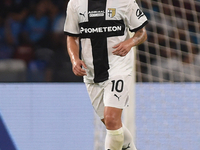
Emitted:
<point x="112" y="93"/>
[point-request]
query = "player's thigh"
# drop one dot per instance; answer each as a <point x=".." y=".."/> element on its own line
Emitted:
<point x="112" y="118"/>
<point x="96" y="93"/>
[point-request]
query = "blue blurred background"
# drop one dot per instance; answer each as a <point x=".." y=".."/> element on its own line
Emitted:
<point x="60" y="116"/>
<point x="32" y="42"/>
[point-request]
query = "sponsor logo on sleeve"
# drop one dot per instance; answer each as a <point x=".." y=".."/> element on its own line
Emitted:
<point x="139" y="13"/>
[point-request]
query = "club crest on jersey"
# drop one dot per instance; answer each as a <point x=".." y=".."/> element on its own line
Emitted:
<point x="111" y="12"/>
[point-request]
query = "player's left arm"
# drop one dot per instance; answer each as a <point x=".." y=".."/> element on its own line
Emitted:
<point x="124" y="47"/>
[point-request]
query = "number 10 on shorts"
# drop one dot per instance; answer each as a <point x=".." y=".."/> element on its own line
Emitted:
<point x="117" y="85"/>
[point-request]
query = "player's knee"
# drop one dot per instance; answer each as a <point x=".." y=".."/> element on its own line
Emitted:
<point x="111" y="122"/>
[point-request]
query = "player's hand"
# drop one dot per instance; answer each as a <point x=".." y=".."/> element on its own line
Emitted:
<point x="77" y="67"/>
<point x="122" y="48"/>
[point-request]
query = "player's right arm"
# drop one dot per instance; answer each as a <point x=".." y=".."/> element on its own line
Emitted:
<point x="73" y="51"/>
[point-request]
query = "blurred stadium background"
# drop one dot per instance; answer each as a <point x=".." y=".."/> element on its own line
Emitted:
<point x="33" y="49"/>
<point x="171" y="53"/>
<point x="32" y="42"/>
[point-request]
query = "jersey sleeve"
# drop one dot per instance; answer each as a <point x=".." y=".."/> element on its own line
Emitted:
<point x="71" y="26"/>
<point x="134" y="16"/>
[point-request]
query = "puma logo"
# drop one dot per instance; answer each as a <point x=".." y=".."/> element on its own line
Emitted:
<point x="127" y="147"/>
<point x="117" y="96"/>
<point x="82" y="14"/>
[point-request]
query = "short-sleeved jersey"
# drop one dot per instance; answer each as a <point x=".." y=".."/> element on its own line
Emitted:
<point x="102" y="24"/>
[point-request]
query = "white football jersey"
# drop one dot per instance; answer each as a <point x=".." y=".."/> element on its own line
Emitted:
<point x="102" y="24"/>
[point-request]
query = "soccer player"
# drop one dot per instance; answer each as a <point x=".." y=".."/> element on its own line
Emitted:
<point x="101" y="27"/>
